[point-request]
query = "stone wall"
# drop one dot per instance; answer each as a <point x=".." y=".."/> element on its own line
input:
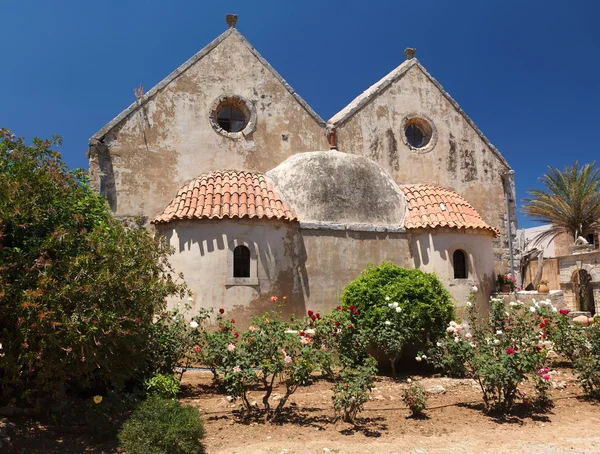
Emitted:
<point x="458" y="156"/>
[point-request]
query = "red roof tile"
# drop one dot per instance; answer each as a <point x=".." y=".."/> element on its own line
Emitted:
<point x="230" y="194"/>
<point x="424" y="209"/>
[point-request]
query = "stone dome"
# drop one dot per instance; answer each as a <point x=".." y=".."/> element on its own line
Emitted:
<point x="342" y="188"/>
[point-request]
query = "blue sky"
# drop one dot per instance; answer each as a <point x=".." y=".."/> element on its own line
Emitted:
<point x="527" y="72"/>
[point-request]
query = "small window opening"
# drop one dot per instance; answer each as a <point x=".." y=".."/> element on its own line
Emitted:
<point x="590" y="238"/>
<point x="459" y="260"/>
<point x="241" y="262"/>
<point x="415" y="136"/>
<point x="231" y="118"/>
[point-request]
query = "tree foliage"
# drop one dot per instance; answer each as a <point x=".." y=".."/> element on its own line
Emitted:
<point x="570" y="201"/>
<point x="78" y="290"/>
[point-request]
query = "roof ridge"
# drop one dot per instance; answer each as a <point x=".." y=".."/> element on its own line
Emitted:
<point x="133" y="107"/>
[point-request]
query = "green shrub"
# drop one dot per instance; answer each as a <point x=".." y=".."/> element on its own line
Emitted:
<point x="106" y="413"/>
<point x="399" y="306"/>
<point x="415" y="398"/>
<point x="78" y="289"/>
<point x="351" y="391"/>
<point x="162" y="426"/>
<point x="162" y="386"/>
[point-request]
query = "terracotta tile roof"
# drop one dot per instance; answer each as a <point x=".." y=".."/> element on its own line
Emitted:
<point x="431" y="206"/>
<point x="231" y="194"/>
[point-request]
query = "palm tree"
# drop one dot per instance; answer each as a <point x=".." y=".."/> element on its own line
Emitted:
<point x="570" y="202"/>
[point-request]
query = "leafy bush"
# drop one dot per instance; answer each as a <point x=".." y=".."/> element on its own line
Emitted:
<point x="176" y="335"/>
<point x="162" y="386"/>
<point x="350" y="392"/>
<point x="162" y="426"/>
<point x="502" y="351"/>
<point x="568" y="339"/>
<point x="415" y="398"/>
<point x="399" y="306"/>
<point x="587" y="364"/>
<point x="78" y="289"/>
<point x="106" y="413"/>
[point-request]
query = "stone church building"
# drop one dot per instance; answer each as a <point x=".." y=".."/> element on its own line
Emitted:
<point x="260" y="196"/>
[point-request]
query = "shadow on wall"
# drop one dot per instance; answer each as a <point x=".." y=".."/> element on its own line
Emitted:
<point x="108" y="188"/>
<point x="281" y="265"/>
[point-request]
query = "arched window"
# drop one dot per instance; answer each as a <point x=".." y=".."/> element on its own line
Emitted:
<point x="241" y="262"/>
<point x="459" y="261"/>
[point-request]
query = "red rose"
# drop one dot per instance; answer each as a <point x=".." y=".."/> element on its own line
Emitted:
<point x="221" y="310"/>
<point x="350" y="326"/>
<point x="337" y="323"/>
<point x="273" y="299"/>
<point x="351" y="308"/>
<point x="221" y="327"/>
<point x="564" y="311"/>
<point x="318" y="316"/>
<point x="196" y="349"/>
<point x="313" y="317"/>
<point x="339" y="308"/>
<point x="310" y="313"/>
<point x="334" y="333"/>
<point x="509" y="351"/>
<point x="302" y="333"/>
<point x="311" y="324"/>
<point x="542" y="325"/>
<point x="355" y="312"/>
<point x="236" y="335"/>
<point x="233" y="320"/>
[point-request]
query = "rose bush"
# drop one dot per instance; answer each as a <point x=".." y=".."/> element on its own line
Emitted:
<point x="501" y="352"/>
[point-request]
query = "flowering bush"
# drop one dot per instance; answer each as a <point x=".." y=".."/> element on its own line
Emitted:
<point x="175" y="335"/>
<point x="506" y="279"/>
<point x="78" y="289"/>
<point x="502" y="351"/>
<point x="350" y="392"/>
<point x="415" y="398"/>
<point x="568" y="338"/>
<point x="587" y="363"/>
<point x="416" y="305"/>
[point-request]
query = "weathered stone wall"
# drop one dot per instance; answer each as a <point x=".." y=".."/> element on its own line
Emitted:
<point x="202" y="254"/>
<point x="460" y="159"/>
<point x="169" y="140"/>
<point x="310" y="265"/>
<point x="432" y="252"/>
<point x="569" y="265"/>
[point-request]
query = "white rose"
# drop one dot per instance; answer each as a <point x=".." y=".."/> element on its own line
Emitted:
<point x="395" y="304"/>
<point x="469" y="304"/>
<point x="390" y="305"/>
<point x="439" y="344"/>
<point x="532" y="309"/>
<point x="387" y="298"/>
<point x="496" y="341"/>
<point x="423" y="357"/>
<point x="194" y="324"/>
<point x="475" y="288"/>
<point x="512" y="304"/>
<point x="457" y="339"/>
<point x="418" y="358"/>
<point x="499" y="332"/>
<point x="398" y="309"/>
<point x="387" y="322"/>
<point x="472" y="344"/>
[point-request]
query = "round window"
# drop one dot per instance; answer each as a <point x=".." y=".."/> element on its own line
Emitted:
<point x="419" y="133"/>
<point x="231" y="118"/>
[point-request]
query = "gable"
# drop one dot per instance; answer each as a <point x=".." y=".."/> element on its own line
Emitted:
<point x="169" y="136"/>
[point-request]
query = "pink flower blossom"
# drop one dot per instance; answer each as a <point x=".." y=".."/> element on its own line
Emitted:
<point x="510" y="351"/>
<point x="231" y="347"/>
<point x="305" y="340"/>
<point x="196" y="348"/>
<point x="252" y="328"/>
<point x="564" y="311"/>
<point x="274" y="299"/>
<point x="237" y="369"/>
<point x="546" y="377"/>
<point x="287" y="359"/>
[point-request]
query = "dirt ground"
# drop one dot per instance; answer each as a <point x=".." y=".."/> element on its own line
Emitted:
<point x="455" y="423"/>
